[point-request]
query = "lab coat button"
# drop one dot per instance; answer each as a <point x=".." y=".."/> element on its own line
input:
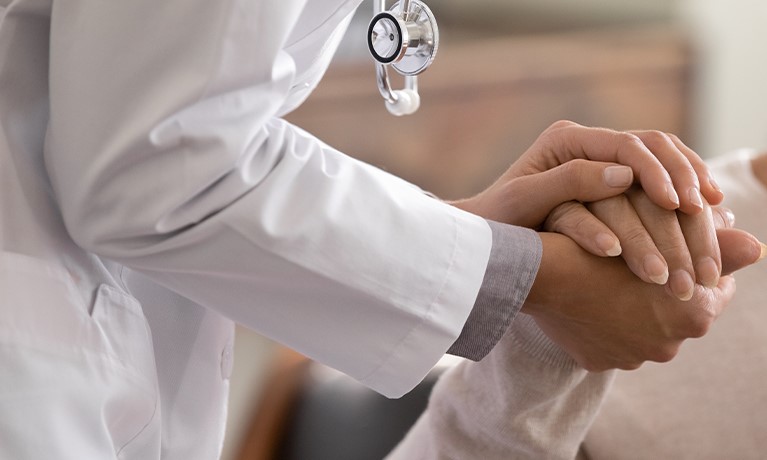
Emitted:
<point x="227" y="362"/>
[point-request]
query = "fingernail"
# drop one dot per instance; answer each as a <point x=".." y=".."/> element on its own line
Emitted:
<point x="682" y="285"/>
<point x="708" y="272"/>
<point x="672" y="194"/>
<point x="655" y="269"/>
<point x="618" y="176"/>
<point x="695" y="198"/>
<point x="609" y="245"/>
<point x="730" y="216"/>
<point x="764" y="251"/>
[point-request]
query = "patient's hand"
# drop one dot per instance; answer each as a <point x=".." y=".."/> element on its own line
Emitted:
<point x="605" y="317"/>
<point x="659" y="246"/>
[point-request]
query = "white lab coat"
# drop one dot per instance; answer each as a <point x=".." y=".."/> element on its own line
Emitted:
<point x="150" y="195"/>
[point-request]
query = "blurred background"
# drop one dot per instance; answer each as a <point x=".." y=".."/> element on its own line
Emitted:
<point x="507" y="69"/>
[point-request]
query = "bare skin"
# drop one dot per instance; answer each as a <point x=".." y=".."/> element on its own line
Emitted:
<point x="568" y="159"/>
<point x="654" y="330"/>
<point x="594" y="306"/>
<point x="606" y="317"/>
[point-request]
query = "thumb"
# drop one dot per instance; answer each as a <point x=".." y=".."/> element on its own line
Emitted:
<point x="536" y="195"/>
<point x="739" y="249"/>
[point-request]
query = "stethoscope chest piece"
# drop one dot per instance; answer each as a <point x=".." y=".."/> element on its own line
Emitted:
<point x="405" y="38"/>
<point x="408" y="41"/>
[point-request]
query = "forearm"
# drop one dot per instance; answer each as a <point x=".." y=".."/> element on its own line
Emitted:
<point x="526" y="399"/>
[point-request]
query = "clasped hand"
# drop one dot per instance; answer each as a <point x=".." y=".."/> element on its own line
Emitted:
<point x="643" y="195"/>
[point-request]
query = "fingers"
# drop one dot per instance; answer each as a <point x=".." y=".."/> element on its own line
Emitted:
<point x="696" y="317"/>
<point x="661" y="246"/>
<point x="689" y="247"/>
<point x="605" y="317"/>
<point x="708" y="186"/>
<point x="575" y="221"/>
<point x="566" y="141"/>
<point x="725" y="290"/>
<point x="700" y="234"/>
<point x="639" y="250"/>
<point x="531" y="198"/>
<point x="739" y="249"/>
<point x="681" y="167"/>
<point x="680" y="252"/>
<point x="669" y="171"/>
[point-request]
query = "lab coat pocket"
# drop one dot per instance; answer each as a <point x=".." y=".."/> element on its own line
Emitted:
<point x="132" y="417"/>
<point x="79" y="375"/>
<point x="126" y="334"/>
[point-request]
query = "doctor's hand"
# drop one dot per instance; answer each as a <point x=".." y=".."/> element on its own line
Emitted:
<point x="605" y="317"/>
<point x="558" y="165"/>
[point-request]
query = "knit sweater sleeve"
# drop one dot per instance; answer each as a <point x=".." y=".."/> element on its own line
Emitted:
<point x="526" y="399"/>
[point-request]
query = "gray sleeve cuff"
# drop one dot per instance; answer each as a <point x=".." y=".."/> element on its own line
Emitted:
<point x="514" y="260"/>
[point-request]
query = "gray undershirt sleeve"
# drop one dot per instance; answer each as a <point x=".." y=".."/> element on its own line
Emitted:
<point x="514" y="259"/>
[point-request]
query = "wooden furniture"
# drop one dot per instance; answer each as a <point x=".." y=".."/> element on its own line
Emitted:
<point x="308" y="411"/>
<point x="283" y="386"/>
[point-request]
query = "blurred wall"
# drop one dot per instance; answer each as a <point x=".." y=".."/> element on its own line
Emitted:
<point x="481" y="18"/>
<point x="730" y="81"/>
<point x="729" y="38"/>
<point x="523" y="15"/>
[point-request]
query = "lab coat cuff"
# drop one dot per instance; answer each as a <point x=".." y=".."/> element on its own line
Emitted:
<point x="514" y="260"/>
<point x="427" y="343"/>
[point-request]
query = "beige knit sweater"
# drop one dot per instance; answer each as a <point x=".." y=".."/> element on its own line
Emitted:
<point x="710" y="402"/>
<point x="526" y="400"/>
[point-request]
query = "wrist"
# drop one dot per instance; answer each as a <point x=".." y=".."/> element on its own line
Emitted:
<point x="551" y="282"/>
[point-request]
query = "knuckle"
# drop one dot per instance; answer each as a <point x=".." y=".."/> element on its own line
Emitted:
<point x="664" y="354"/>
<point x="573" y="176"/>
<point x="551" y="137"/>
<point x="674" y="138"/>
<point x="559" y="124"/>
<point x="563" y="218"/>
<point x="697" y="323"/>
<point x="615" y="205"/>
<point x="635" y="236"/>
<point x="656" y="138"/>
<point x="700" y="326"/>
<point x="579" y="218"/>
<point x="629" y="139"/>
<point x="673" y="246"/>
<point x="573" y="219"/>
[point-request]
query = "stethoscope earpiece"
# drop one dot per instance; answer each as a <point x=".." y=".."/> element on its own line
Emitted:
<point x="406" y="103"/>
<point x="406" y="38"/>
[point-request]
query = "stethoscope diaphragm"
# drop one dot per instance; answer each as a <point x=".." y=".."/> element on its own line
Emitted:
<point x="405" y="38"/>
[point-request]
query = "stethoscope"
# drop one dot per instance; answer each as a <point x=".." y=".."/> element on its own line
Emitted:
<point x="405" y="38"/>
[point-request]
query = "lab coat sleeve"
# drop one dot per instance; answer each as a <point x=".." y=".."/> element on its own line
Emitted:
<point x="510" y="273"/>
<point x="166" y="154"/>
